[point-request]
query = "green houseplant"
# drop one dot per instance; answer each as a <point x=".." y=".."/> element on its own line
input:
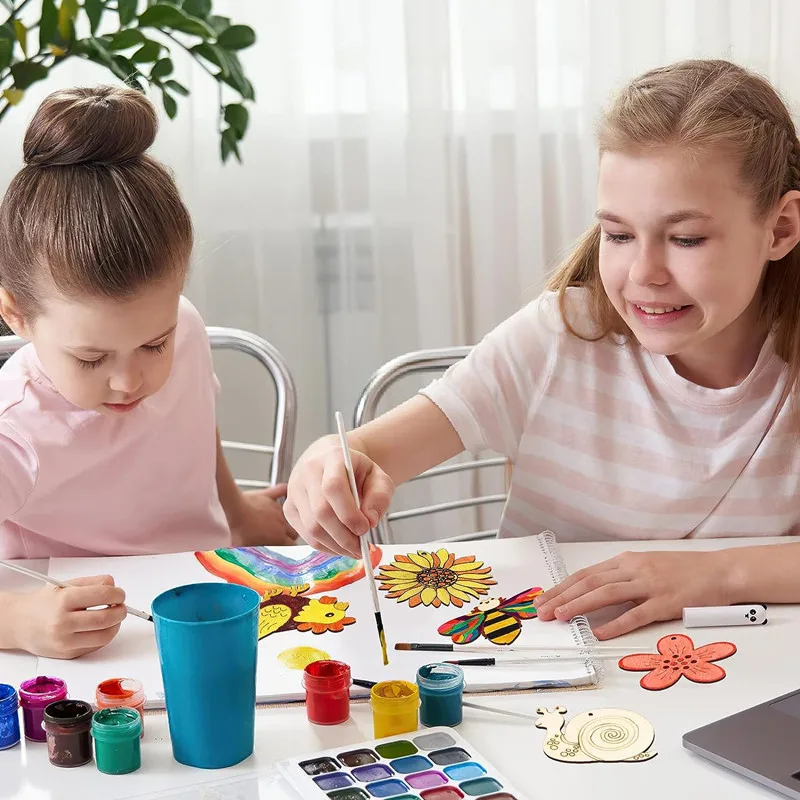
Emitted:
<point x="134" y="41"/>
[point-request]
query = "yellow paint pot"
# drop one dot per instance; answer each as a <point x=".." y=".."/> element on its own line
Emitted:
<point x="395" y="708"/>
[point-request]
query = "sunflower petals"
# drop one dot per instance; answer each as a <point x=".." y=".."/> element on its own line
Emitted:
<point x="422" y="559"/>
<point x="435" y="578"/>
<point x="428" y="594"/>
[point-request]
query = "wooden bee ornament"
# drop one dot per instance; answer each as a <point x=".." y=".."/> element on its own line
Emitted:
<point x="495" y="618"/>
<point x="605" y="734"/>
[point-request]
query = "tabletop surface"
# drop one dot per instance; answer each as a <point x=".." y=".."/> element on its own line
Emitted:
<point x="761" y="669"/>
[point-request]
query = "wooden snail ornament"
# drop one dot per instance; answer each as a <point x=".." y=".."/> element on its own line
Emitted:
<point x="605" y="734"/>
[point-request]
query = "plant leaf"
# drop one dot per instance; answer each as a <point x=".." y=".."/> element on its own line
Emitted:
<point x="160" y="15"/>
<point x="236" y="77"/>
<point x="94" y="11"/>
<point x="125" y="39"/>
<point x="97" y="51"/>
<point x="147" y="53"/>
<point x="21" y="34"/>
<point x="127" y="11"/>
<point x="164" y="15"/>
<point x="179" y="88"/>
<point x="197" y="8"/>
<point x="6" y="48"/>
<point x="48" y="23"/>
<point x="170" y="106"/>
<point x="219" y="23"/>
<point x="212" y="54"/>
<point x="237" y="116"/>
<point x="13" y="96"/>
<point x="66" y="16"/>
<point x="123" y="68"/>
<point x="195" y="27"/>
<point x="26" y="73"/>
<point x="229" y="144"/>
<point x="161" y="69"/>
<point x="237" y="37"/>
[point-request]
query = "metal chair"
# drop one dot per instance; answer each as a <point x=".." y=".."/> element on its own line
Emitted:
<point x="417" y="363"/>
<point x="285" y="422"/>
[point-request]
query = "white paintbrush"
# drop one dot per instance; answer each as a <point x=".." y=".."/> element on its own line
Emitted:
<point x="588" y="650"/>
<point x="55" y="582"/>
<point x="365" y="554"/>
<point x="501" y="711"/>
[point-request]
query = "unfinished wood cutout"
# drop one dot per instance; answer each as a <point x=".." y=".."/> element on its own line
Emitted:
<point x="676" y="657"/>
<point x="495" y="618"/>
<point x="435" y="579"/>
<point x="602" y="735"/>
<point x="287" y="611"/>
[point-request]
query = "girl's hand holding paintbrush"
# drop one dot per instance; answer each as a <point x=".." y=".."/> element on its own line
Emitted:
<point x="320" y="504"/>
<point x="62" y="623"/>
<point x="402" y="443"/>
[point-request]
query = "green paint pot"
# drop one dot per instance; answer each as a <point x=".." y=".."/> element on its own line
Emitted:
<point x="117" y="732"/>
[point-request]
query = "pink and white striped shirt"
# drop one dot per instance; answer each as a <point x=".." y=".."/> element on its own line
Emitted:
<point x="609" y="442"/>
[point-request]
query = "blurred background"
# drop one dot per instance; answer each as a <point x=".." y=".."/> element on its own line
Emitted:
<point x="410" y="172"/>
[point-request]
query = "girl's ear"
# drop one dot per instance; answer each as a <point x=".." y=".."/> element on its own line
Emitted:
<point x="11" y="315"/>
<point x="786" y="227"/>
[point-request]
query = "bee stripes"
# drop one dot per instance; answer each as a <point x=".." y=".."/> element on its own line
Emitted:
<point x="500" y="628"/>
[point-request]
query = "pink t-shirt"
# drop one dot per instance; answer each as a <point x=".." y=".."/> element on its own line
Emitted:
<point x="609" y="442"/>
<point x="80" y="483"/>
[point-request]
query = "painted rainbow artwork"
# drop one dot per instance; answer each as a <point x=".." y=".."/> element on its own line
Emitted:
<point x="261" y="568"/>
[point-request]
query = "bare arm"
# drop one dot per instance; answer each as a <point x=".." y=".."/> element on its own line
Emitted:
<point x="403" y="442"/>
<point x="8" y="616"/>
<point x="768" y="573"/>
<point x="398" y="445"/>
<point x="230" y="496"/>
<point x="254" y="517"/>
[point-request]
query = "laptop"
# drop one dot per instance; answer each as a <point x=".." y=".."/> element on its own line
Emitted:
<point x="761" y="743"/>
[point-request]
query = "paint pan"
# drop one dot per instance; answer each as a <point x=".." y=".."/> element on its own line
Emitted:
<point x="436" y="765"/>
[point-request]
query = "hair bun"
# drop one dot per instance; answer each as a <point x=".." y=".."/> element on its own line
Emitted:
<point x="99" y="125"/>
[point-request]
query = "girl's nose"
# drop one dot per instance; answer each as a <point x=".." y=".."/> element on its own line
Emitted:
<point x="649" y="268"/>
<point x="127" y="381"/>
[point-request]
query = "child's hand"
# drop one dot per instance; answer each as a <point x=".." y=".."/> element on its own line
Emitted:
<point x="320" y="501"/>
<point x="660" y="584"/>
<point x="260" y="520"/>
<point x="55" y="622"/>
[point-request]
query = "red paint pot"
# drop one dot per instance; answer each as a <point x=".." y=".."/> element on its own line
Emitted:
<point x="121" y="692"/>
<point x="327" y="685"/>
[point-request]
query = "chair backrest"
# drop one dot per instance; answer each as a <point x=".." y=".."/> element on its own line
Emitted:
<point x="285" y="420"/>
<point x="419" y="363"/>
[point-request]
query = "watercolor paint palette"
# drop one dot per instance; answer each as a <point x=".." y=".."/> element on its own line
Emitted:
<point x="431" y="764"/>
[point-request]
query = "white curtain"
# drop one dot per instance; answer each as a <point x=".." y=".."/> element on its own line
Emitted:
<point x="412" y="169"/>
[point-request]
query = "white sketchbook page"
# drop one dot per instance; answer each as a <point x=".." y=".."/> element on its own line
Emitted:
<point x="517" y="564"/>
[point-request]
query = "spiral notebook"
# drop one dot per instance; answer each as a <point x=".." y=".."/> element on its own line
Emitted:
<point x="421" y="599"/>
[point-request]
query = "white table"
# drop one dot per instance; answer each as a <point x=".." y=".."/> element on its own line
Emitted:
<point x="762" y="668"/>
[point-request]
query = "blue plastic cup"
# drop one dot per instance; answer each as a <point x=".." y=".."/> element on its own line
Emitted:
<point x="207" y="637"/>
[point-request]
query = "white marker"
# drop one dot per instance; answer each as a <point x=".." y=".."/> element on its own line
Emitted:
<point x="716" y="616"/>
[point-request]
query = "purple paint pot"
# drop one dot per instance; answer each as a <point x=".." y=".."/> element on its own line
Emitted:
<point x="34" y="696"/>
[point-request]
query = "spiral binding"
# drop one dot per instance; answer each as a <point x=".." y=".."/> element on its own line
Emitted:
<point x="581" y="630"/>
